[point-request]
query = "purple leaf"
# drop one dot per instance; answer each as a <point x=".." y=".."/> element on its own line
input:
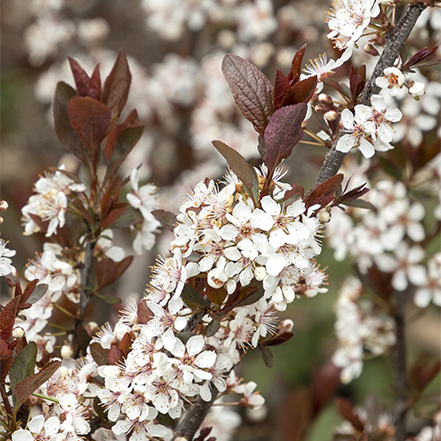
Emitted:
<point x="251" y="89"/>
<point x="283" y="132"/>
<point x="244" y="171"/>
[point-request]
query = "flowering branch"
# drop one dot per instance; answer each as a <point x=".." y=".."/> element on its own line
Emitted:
<point x="394" y="42"/>
<point x="195" y="416"/>
<point x="399" y="360"/>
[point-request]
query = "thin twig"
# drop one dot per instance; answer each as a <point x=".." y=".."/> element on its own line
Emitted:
<point x="399" y="361"/>
<point x="84" y="291"/>
<point x="394" y="42"/>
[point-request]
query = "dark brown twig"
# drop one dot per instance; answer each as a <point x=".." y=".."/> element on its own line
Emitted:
<point x="394" y="42"/>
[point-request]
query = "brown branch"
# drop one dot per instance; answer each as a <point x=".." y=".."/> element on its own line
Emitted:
<point x="394" y="42"/>
<point x="196" y="414"/>
<point x="399" y="362"/>
<point x="85" y="284"/>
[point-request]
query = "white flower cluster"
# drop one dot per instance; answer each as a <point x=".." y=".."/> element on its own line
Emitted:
<point x="389" y="238"/>
<point x="5" y="261"/>
<point x="360" y="330"/>
<point x="224" y="235"/>
<point x="66" y="419"/>
<point x="222" y="245"/>
<point x="50" y="202"/>
<point x="143" y="199"/>
<point x="347" y="21"/>
<point x="370" y="128"/>
<point x="171" y="18"/>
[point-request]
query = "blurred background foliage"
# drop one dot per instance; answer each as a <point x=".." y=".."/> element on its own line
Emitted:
<point x="185" y="103"/>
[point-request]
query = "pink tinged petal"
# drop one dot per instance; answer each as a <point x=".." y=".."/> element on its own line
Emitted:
<point x="416" y="232"/>
<point x="366" y="148"/>
<point x="417" y="274"/>
<point x="275" y="264"/>
<point x="206" y="359"/>
<point x="270" y="206"/>
<point x="195" y="345"/>
<point x="178" y="349"/>
<point x="161" y="402"/>
<point x="57" y="283"/>
<point x="347" y="119"/>
<point x="393" y="114"/>
<point x="345" y="143"/>
<point x="362" y="113"/>
<point x="205" y="392"/>
<point x="121" y="427"/>
<point x="264" y="221"/>
<point x="422" y="297"/>
<point x="399" y="280"/>
<point x="36" y="424"/>
<point x="22" y="435"/>
<point x="113" y="412"/>
<point x="133" y="411"/>
<point x="169" y="339"/>
<point x="232" y="253"/>
<point x="386" y="133"/>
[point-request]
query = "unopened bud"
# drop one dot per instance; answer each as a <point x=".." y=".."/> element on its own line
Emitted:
<point x="417" y="88"/>
<point x="286" y="326"/>
<point x="63" y="371"/>
<point x="371" y="50"/>
<point x="66" y="352"/>
<point x="325" y="99"/>
<point x="321" y="108"/>
<point x="260" y="273"/>
<point x="91" y="328"/>
<point x="18" y="332"/>
<point x="331" y="115"/>
<point x="323" y="216"/>
<point x="3" y="205"/>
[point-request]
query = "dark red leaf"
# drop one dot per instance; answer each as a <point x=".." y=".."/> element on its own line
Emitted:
<point x="30" y="384"/>
<point x="8" y="313"/>
<point x="279" y="339"/>
<point x="123" y="265"/>
<point x="325" y="189"/>
<point x="116" y="86"/>
<point x="300" y="92"/>
<point x="267" y="356"/>
<point x="251" y="89"/>
<point x="111" y="195"/>
<point x="115" y="355"/>
<point x="144" y="312"/>
<point x="99" y="354"/>
<point x="244" y="171"/>
<point x="192" y="297"/>
<point x="132" y="120"/>
<point x="115" y="214"/>
<point x="166" y="218"/>
<point x="295" y="189"/>
<point x="125" y="142"/>
<point x="212" y="328"/>
<point x="125" y="344"/>
<point x="216" y="296"/>
<point x="347" y="412"/>
<point x="281" y="87"/>
<point x="86" y="86"/>
<point x="67" y="136"/>
<point x="90" y="119"/>
<point x="296" y="65"/>
<point x="283" y="132"/>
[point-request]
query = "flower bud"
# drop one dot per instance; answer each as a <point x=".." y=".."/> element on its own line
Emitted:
<point x="18" y="332"/>
<point x="260" y="273"/>
<point x="371" y="50"/>
<point x="3" y="205"/>
<point x="331" y="115"/>
<point x="64" y="371"/>
<point x="67" y="352"/>
<point x="417" y="88"/>
<point x="321" y="108"/>
<point x="91" y="328"/>
<point x="323" y="216"/>
<point x="325" y="99"/>
<point x="286" y="326"/>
